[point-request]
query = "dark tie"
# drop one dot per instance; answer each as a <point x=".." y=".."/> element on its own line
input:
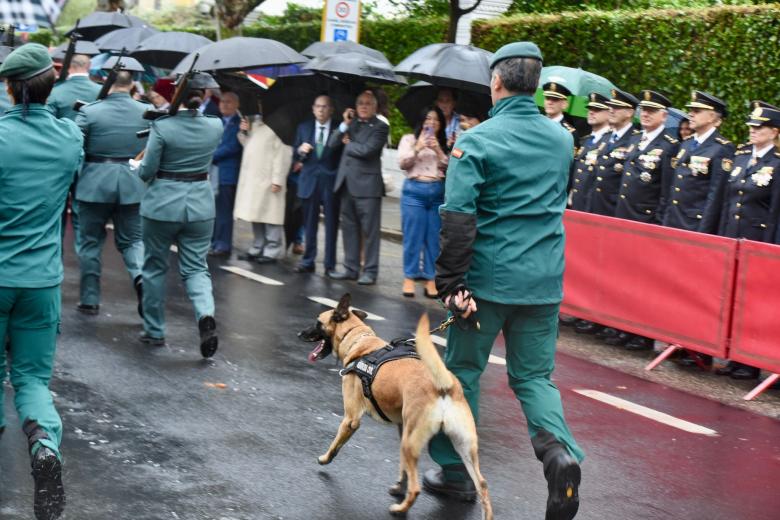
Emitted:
<point x="320" y="146"/>
<point x="614" y="138"/>
<point x="694" y="144"/>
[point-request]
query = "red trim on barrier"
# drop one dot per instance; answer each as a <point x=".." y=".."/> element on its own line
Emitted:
<point x="667" y="284"/>
<point x="756" y="328"/>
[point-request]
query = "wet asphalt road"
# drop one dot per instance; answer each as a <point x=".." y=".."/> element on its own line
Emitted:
<point x="148" y="436"/>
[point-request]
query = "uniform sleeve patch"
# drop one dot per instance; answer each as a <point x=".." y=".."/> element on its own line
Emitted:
<point x="727" y="165"/>
<point x="457" y="153"/>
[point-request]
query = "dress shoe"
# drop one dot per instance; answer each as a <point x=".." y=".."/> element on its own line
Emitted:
<point x="452" y="481"/>
<point x="209" y="341"/>
<point x="300" y="268"/>
<point x="218" y="253"/>
<point x="430" y="290"/>
<point x="563" y="481"/>
<point x="262" y="260"/>
<point x="91" y="310"/>
<point x="366" y="279"/>
<point x="639" y="343"/>
<point x="49" y="498"/>
<point x="744" y="373"/>
<point x="138" y="283"/>
<point x="341" y="275"/>
<point x="151" y="340"/>
<point x="246" y="257"/>
<point x="297" y="249"/>
<point x="587" y="327"/>
<point x="408" y="288"/>
<point x="607" y="332"/>
<point x="621" y="338"/>
<point x="725" y="370"/>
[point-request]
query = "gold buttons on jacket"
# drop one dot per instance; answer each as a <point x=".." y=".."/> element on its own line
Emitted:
<point x="676" y="189"/>
<point x="741" y="192"/>
<point x="736" y="217"/>
<point x="622" y="196"/>
<point x="598" y="189"/>
<point x="599" y="179"/>
<point x="675" y="202"/>
<point x="739" y="204"/>
<point x="679" y="176"/>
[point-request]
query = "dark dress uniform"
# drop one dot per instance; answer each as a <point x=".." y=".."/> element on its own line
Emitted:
<point x="585" y="159"/>
<point x="610" y="164"/>
<point x="648" y="171"/>
<point x="700" y="171"/>
<point x="558" y="91"/>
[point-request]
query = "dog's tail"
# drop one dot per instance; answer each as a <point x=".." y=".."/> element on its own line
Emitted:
<point x="442" y="378"/>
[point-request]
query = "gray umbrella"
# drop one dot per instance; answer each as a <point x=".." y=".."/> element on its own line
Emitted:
<point x="128" y="38"/>
<point x="318" y="49"/>
<point x="449" y="65"/>
<point x="96" y="24"/>
<point x="82" y="47"/>
<point x="128" y="63"/>
<point x="352" y="66"/>
<point x="241" y="53"/>
<point x="167" y="49"/>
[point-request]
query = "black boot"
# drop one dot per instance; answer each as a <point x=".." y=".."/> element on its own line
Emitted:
<point x="640" y="343"/>
<point x="620" y="339"/>
<point x="726" y="370"/>
<point x="49" y="497"/>
<point x="563" y="476"/>
<point x="587" y="327"/>
<point x="607" y="332"/>
<point x="744" y="372"/>
<point x="208" y="336"/>
<point x="91" y="310"/>
<point x="138" y="283"/>
<point x="451" y="480"/>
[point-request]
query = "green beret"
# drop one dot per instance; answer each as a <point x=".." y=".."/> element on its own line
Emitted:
<point x="516" y="50"/>
<point x="26" y="62"/>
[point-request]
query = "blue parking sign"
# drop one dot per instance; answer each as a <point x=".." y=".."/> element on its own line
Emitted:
<point x="339" y="35"/>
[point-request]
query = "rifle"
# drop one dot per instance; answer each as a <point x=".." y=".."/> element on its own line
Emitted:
<point x="179" y="95"/>
<point x="108" y="83"/>
<point x="65" y="70"/>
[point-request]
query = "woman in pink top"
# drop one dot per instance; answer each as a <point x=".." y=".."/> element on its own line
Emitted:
<point x="423" y="157"/>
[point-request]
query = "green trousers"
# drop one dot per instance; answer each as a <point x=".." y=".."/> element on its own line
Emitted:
<point x="193" y="240"/>
<point x="29" y="319"/>
<point x="93" y="217"/>
<point x="530" y="333"/>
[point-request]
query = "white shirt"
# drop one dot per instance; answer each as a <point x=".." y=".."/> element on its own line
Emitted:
<point x="597" y="135"/>
<point x="557" y="118"/>
<point x="78" y="75"/>
<point x="648" y="138"/>
<point x="703" y="137"/>
<point x="317" y="127"/>
<point x="757" y="154"/>
<point x="620" y="133"/>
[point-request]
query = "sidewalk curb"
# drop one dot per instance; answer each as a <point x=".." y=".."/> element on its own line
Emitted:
<point x="392" y="235"/>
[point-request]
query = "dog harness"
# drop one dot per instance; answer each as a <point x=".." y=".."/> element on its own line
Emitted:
<point x="367" y="367"/>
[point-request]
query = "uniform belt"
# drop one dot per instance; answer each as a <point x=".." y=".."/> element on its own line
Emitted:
<point x="99" y="159"/>
<point x="183" y="177"/>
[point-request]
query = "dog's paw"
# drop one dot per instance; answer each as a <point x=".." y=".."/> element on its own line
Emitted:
<point x="397" y="510"/>
<point x="322" y="460"/>
<point x="397" y="490"/>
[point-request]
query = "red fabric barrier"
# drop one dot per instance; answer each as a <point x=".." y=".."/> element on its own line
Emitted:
<point x="663" y="283"/>
<point x="756" y="327"/>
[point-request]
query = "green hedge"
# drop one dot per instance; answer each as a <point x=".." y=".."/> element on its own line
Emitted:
<point x="556" y="6"/>
<point x="732" y="52"/>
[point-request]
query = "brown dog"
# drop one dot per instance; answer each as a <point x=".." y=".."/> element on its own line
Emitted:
<point x="420" y="395"/>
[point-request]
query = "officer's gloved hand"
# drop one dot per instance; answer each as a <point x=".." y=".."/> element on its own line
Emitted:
<point x="462" y="305"/>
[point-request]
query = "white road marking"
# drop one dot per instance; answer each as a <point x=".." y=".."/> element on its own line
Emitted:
<point x="496" y="360"/>
<point x="334" y="303"/>
<point x="249" y="274"/>
<point x="646" y="412"/>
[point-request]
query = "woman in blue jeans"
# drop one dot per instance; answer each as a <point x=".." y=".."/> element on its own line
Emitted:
<point x="423" y="157"/>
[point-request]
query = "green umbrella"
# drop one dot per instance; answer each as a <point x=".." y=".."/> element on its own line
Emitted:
<point x="580" y="82"/>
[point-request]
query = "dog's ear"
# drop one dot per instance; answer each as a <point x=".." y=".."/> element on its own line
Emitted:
<point x="341" y="312"/>
<point x="360" y="314"/>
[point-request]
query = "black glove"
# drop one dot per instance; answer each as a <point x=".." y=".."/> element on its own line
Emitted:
<point x="462" y="322"/>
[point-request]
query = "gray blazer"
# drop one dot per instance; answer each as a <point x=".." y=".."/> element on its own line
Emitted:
<point x="361" y="162"/>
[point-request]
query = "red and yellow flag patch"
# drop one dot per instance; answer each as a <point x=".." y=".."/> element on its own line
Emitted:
<point x="457" y="153"/>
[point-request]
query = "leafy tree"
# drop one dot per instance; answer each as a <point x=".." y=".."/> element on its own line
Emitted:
<point x="435" y="8"/>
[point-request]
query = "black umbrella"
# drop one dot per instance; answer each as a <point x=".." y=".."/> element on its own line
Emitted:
<point x="449" y="65"/>
<point x="96" y="24"/>
<point x="351" y="66"/>
<point x="318" y="49"/>
<point x="82" y="47"/>
<point x="167" y="49"/>
<point x="128" y="38"/>
<point x="422" y="95"/>
<point x="128" y="64"/>
<point x="241" y="53"/>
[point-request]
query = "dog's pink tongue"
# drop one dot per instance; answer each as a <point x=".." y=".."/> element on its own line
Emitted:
<point x="315" y="354"/>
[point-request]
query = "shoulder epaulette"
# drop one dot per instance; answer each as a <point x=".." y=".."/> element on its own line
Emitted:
<point x="722" y="140"/>
<point x="636" y="132"/>
<point x="743" y="151"/>
<point x="743" y="145"/>
<point x="777" y="154"/>
<point x="568" y="127"/>
<point x="689" y="137"/>
<point x="671" y="139"/>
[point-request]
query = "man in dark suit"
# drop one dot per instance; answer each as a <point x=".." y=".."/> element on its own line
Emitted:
<point x="227" y="158"/>
<point x="319" y="164"/>
<point x="360" y="187"/>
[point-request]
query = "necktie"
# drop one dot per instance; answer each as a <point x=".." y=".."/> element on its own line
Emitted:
<point x="694" y="144"/>
<point x="320" y="146"/>
<point x="643" y="142"/>
<point x="614" y="138"/>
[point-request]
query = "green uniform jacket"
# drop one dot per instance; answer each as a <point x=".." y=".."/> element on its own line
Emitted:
<point x="182" y="144"/>
<point x="41" y="155"/>
<point x="502" y="219"/>
<point x="75" y="88"/>
<point x="109" y="128"/>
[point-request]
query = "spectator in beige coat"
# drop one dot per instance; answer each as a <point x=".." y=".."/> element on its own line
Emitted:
<point x="260" y="196"/>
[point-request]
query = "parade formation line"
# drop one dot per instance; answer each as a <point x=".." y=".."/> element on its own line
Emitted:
<point x="648" y="413"/>
<point x="249" y="274"/>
